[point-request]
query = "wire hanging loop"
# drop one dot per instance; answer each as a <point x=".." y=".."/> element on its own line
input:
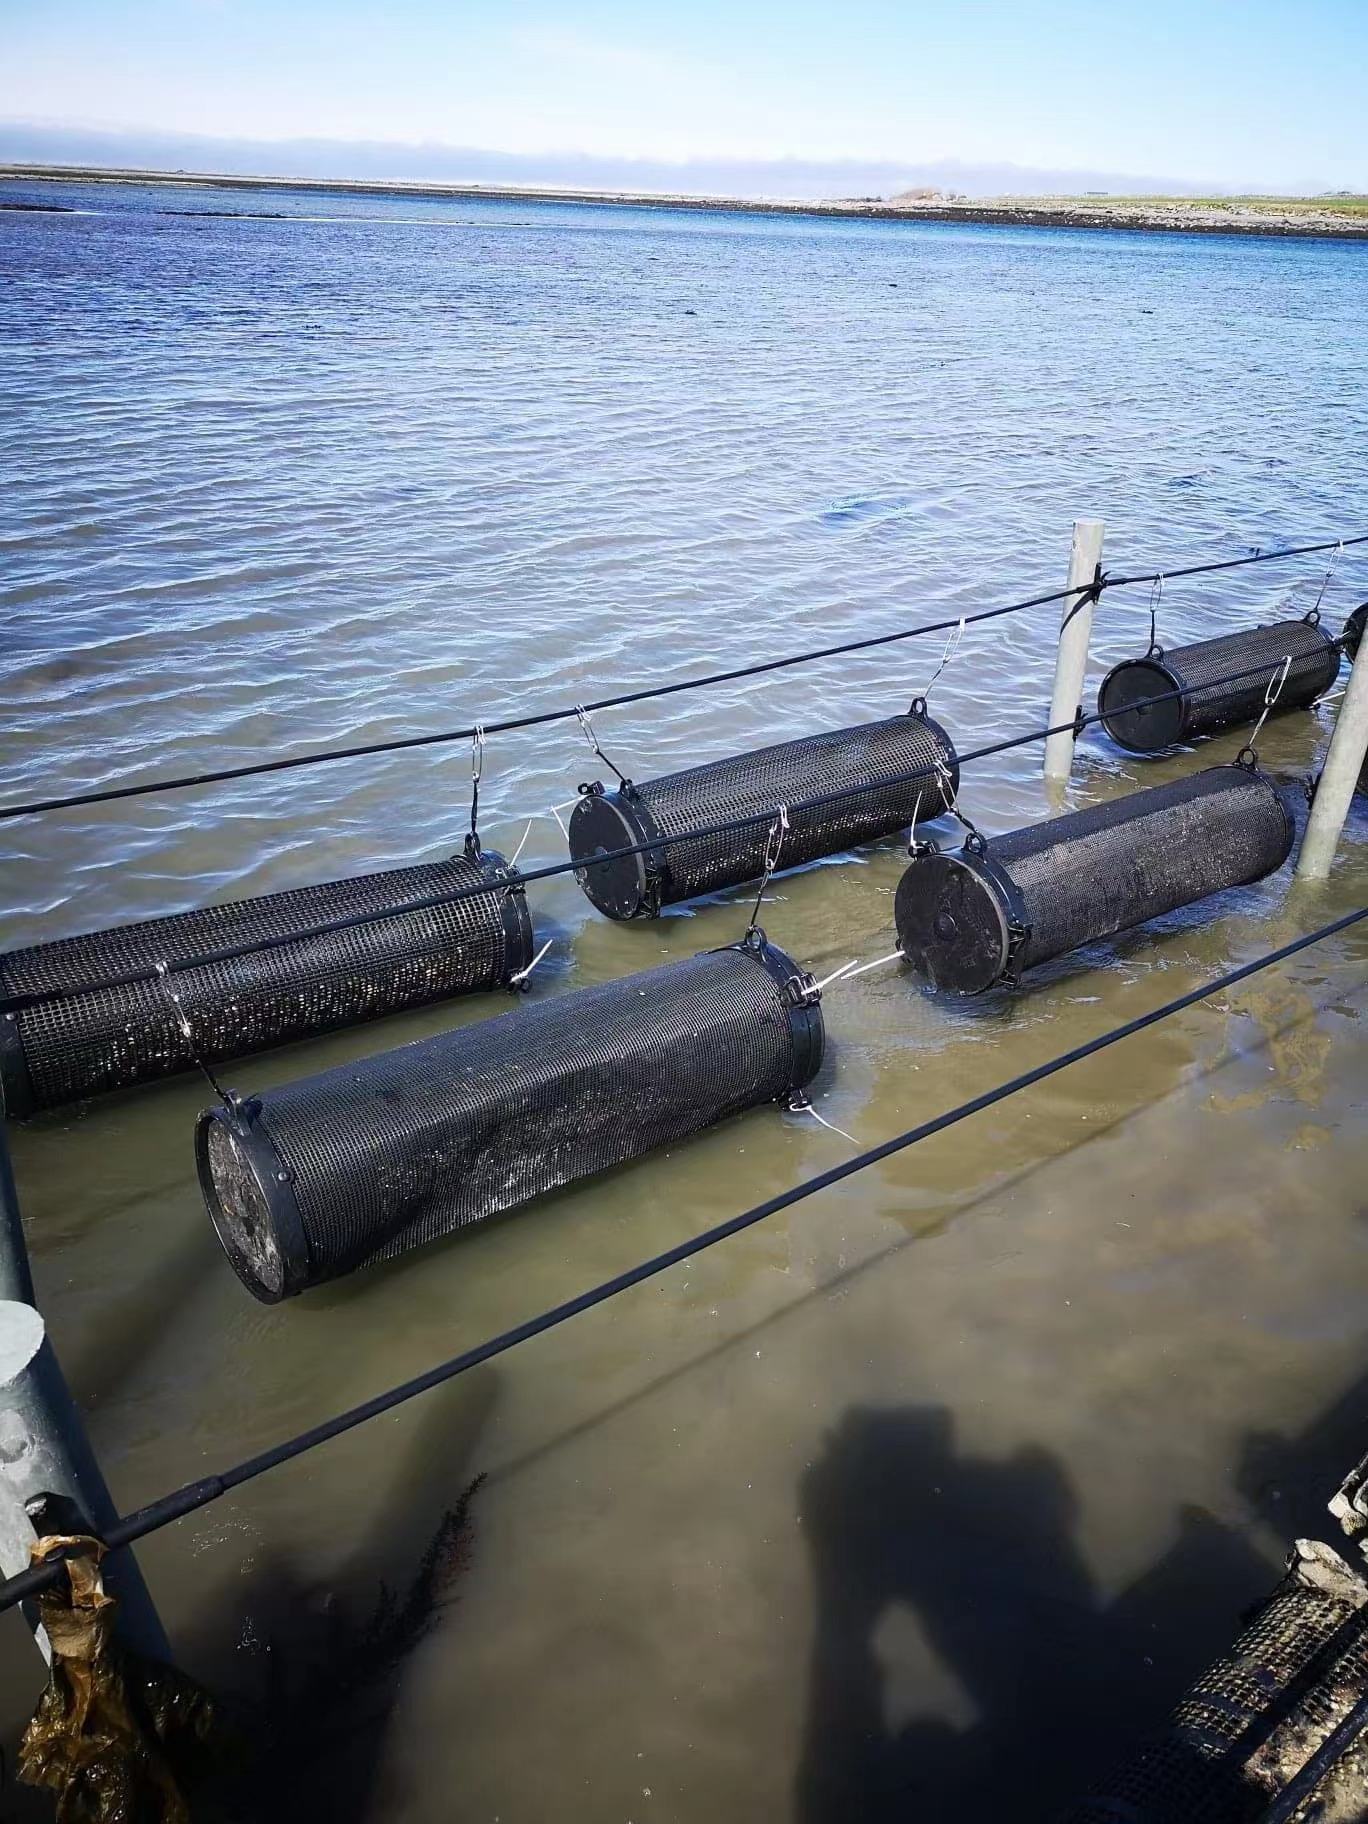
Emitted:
<point x="774" y="848"/>
<point x="1313" y="617"/>
<point x="477" y="747"/>
<point x="951" y="648"/>
<point x="1249" y="753"/>
<point x="1156" y="651"/>
<point x="582" y="716"/>
<point x="187" y="1032"/>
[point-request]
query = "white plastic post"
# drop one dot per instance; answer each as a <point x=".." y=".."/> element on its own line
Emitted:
<point x="1343" y="765"/>
<point x="1075" y="633"/>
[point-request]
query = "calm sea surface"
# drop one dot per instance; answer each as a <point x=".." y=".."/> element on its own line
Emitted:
<point x="930" y="1493"/>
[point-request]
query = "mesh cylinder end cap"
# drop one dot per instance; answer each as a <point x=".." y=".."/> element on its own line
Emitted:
<point x="1128" y="716"/>
<point x="250" y="1198"/>
<point x="1354" y="629"/>
<point x="600" y="824"/>
<point x="952" y="922"/>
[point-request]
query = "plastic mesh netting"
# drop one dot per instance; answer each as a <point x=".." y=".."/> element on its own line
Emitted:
<point x="384" y="1155"/>
<point x="912" y="750"/>
<point x="971" y="919"/>
<point x="1253" y="659"/>
<point x="1253" y="1719"/>
<point x="80" y="1043"/>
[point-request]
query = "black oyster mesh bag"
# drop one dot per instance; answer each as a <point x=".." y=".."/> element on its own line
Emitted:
<point x="366" y="1161"/>
<point x="65" y="1041"/>
<point x="969" y="920"/>
<point x="1254" y="1718"/>
<point x="906" y="769"/>
<point x="1252" y="659"/>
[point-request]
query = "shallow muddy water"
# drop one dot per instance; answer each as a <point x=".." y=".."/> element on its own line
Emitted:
<point x="925" y="1496"/>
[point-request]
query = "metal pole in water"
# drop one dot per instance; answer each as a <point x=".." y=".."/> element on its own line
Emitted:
<point x="1075" y="632"/>
<point x="1343" y="765"/>
<point x="44" y="1451"/>
<point x="16" y="1281"/>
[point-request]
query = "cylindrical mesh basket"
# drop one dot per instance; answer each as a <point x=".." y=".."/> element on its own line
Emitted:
<point x="1254" y="1719"/>
<point x="906" y="764"/>
<point x="972" y="919"/>
<point x="1352" y="637"/>
<point x="68" y="1042"/>
<point x="1202" y="706"/>
<point x="364" y="1162"/>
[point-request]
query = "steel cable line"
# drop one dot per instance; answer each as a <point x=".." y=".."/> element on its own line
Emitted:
<point x="541" y="718"/>
<point x="194" y="1495"/>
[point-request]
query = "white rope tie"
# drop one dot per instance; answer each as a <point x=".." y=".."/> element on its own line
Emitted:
<point x="523" y="844"/>
<point x="848" y="975"/>
<point x="523" y="974"/>
<point x="806" y="1108"/>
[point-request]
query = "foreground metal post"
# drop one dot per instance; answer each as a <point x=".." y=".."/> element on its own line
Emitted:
<point x="1075" y="633"/>
<point x="1343" y="764"/>
<point x="44" y="1450"/>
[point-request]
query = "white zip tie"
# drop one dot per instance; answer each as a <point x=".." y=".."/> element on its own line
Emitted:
<point x="523" y="844"/>
<point x="523" y="974"/>
<point x="806" y="1108"/>
<point x="835" y="975"/>
<point x="556" y="814"/>
<point x="893" y="956"/>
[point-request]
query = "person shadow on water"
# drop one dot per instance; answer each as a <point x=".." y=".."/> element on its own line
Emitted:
<point x="1044" y="1685"/>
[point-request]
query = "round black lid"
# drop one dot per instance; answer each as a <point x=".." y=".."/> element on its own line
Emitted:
<point x="952" y="923"/>
<point x="1132" y="721"/>
<point x="599" y="824"/>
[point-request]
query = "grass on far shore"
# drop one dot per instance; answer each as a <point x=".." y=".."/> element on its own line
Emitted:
<point x="1269" y="205"/>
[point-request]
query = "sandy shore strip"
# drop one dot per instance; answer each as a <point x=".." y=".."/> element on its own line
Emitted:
<point x="1314" y="218"/>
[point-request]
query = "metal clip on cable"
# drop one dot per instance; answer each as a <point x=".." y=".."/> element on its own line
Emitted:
<point x="951" y="648"/>
<point x="1155" y="651"/>
<point x="477" y="747"/>
<point x="1313" y="617"/>
<point x="582" y="716"/>
<point x="1248" y="755"/>
<point x="229" y="1101"/>
<point x="774" y="847"/>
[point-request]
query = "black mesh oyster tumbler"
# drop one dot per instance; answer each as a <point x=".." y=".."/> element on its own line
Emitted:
<point x="1214" y="683"/>
<point x="970" y="920"/>
<point x="881" y="777"/>
<point x="64" y="1036"/>
<point x="364" y="1162"/>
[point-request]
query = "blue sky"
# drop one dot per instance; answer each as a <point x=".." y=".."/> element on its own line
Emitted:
<point x="1260" y="93"/>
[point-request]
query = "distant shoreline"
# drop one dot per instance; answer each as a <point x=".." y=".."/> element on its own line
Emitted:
<point x="1289" y="218"/>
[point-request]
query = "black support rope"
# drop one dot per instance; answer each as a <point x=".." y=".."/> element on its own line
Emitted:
<point x="230" y="953"/>
<point x="194" y="1495"/>
<point x="541" y="718"/>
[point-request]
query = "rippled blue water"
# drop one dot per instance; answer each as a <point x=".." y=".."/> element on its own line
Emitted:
<point x="386" y="466"/>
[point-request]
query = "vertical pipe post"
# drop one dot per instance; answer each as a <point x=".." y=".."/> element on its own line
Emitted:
<point x="1343" y="765"/>
<point x="1075" y="633"/>
<point x="44" y="1450"/>
<point x="16" y="1280"/>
